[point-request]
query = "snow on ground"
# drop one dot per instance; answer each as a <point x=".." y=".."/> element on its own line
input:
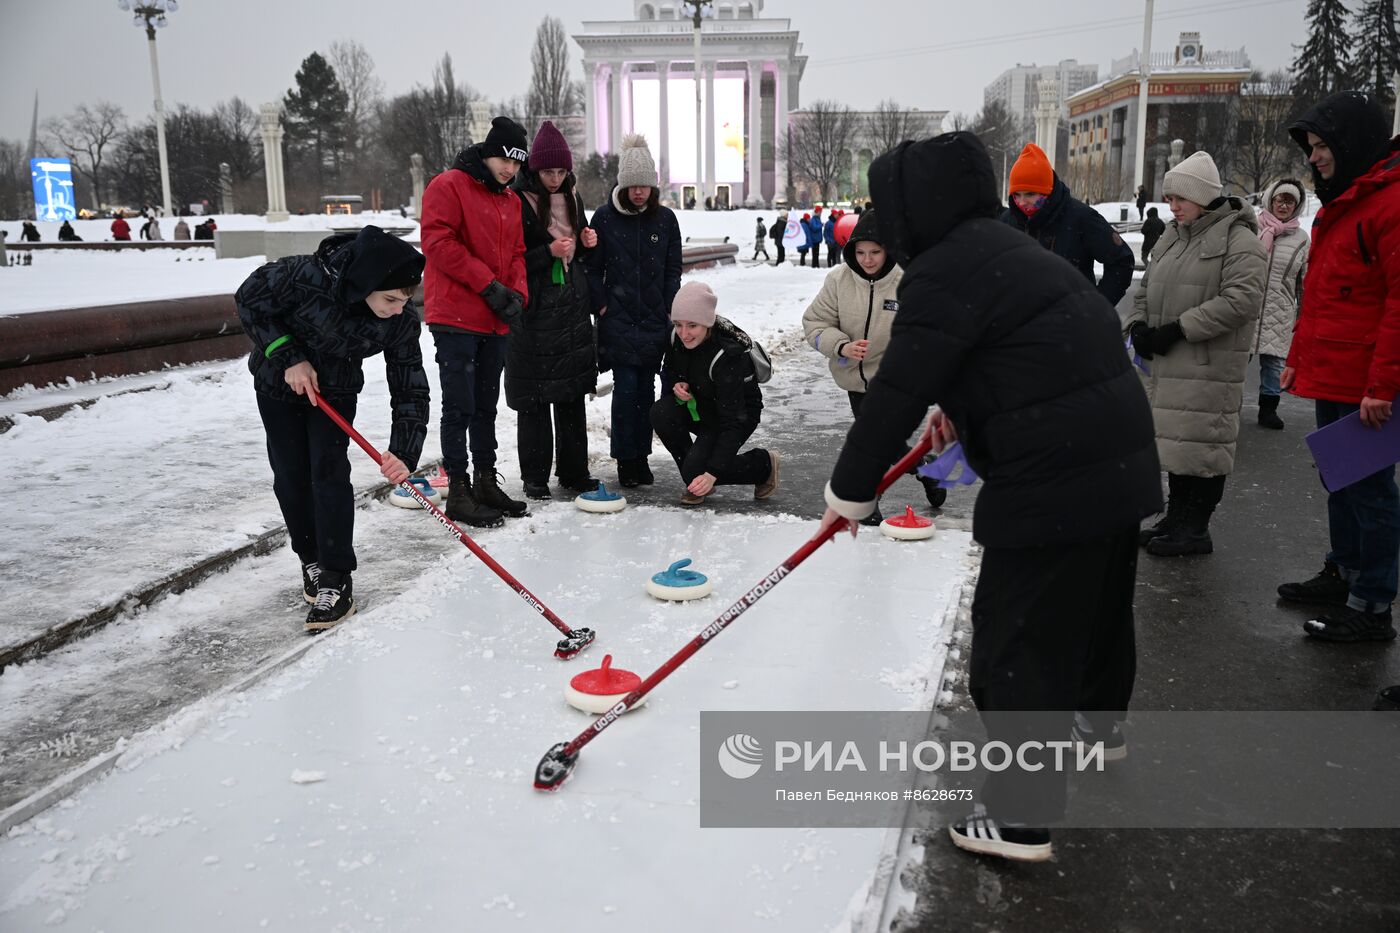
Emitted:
<point x="100" y="231"/>
<point x="85" y="278"/>
<point x="384" y="782"/>
<point x="140" y="484"/>
<point x="425" y="716"/>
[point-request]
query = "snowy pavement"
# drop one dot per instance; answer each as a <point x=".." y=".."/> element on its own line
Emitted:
<point x="111" y="522"/>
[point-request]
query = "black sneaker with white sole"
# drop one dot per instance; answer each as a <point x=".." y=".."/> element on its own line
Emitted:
<point x="310" y="575"/>
<point x="1348" y="624"/>
<point x="979" y="833"/>
<point x="1328" y="588"/>
<point x="1084" y="735"/>
<point x="334" y="602"/>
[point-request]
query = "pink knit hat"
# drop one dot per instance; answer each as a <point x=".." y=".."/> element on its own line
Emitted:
<point x="694" y="303"/>
<point x="550" y="149"/>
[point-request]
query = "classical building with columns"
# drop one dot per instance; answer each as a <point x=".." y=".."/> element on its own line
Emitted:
<point x="639" y="77"/>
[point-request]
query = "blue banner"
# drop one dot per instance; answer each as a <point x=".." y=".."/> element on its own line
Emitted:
<point x="53" y="189"/>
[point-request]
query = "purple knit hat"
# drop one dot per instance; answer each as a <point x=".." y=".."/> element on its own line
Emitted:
<point x="550" y="150"/>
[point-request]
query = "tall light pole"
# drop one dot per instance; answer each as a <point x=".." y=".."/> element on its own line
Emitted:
<point x="151" y="14"/>
<point x="1144" y="73"/>
<point x="698" y="7"/>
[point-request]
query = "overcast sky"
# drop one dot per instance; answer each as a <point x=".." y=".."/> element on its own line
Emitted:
<point x="931" y="54"/>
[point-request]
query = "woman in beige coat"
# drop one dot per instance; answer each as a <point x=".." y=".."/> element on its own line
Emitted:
<point x="849" y="321"/>
<point x="1193" y="322"/>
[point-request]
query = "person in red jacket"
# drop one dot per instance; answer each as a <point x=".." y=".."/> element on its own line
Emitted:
<point x="474" y="286"/>
<point x="1346" y="353"/>
<point x="121" y="230"/>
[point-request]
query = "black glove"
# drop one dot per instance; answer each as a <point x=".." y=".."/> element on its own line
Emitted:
<point x="1161" y="339"/>
<point x="1138" y="334"/>
<point x="513" y="309"/>
<point x="497" y="296"/>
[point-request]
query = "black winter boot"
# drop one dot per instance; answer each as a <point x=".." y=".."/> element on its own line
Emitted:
<point x="487" y="483"/>
<point x="1328" y="588"/>
<point x="634" y="472"/>
<point x="1192" y="533"/>
<point x="1268" y="412"/>
<point x="535" y="490"/>
<point x="462" y="506"/>
<point x="1175" y="497"/>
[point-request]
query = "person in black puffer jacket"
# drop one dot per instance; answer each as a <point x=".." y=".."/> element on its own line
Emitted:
<point x="1027" y="363"/>
<point x="715" y="396"/>
<point x="633" y="276"/>
<point x="1039" y="204"/>
<point x="551" y="361"/>
<point x="313" y="320"/>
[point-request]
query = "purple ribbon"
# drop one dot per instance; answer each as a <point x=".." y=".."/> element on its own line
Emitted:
<point x="944" y="465"/>
<point x="1137" y="360"/>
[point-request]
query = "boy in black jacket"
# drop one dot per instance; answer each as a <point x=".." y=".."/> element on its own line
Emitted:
<point x="1053" y="418"/>
<point x="715" y="396"/>
<point x="313" y="320"/>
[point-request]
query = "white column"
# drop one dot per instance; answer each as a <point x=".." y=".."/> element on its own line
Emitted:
<point x="614" y="106"/>
<point x="710" y="130"/>
<point x="663" y="77"/>
<point x="272" y="161"/>
<point x="1144" y="73"/>
<point x="754" y="194"/>
<point x="590" y="107"/>
<point x="780" y="120"/>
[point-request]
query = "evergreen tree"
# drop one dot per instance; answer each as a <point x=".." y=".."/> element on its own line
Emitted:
<point x="1323" y="65"/>
<point x="1377" y="49"/>
<point x="317" y="117"/>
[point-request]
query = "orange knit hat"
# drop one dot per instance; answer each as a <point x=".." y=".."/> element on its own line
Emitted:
<point x="1032" y="172"/>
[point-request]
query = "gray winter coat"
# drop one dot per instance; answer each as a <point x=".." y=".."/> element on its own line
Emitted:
<point x="1209" y="277"/>
<point x="1283" y="294"/>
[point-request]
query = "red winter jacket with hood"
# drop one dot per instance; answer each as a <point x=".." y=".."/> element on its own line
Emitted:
<point x="1346" y="344"/>
<point x="471" y="234"/>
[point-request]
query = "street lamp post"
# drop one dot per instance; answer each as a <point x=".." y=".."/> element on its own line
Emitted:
<point x="698" y="8"/>
<point x="151" y="14"/>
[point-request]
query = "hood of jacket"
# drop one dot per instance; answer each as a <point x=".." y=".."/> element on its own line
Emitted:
<point x="926" y="188"/>
<point x="357" y="263"/>
<point x="1354" y="128"/>
<point x="471" y="161"/>
<point x="867" y="229"/>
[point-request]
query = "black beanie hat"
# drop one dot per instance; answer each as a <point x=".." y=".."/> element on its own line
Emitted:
<point x="506" y="140"/>
<point x="379" y="262"/>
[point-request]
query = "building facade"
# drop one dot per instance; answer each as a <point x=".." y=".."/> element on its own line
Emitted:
<point x="1193" y="95"/>
<point x="640" y="77"/>
<point x="1018" y="89"/>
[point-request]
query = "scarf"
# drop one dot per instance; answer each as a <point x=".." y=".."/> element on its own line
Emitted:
<point x="558" y="228"/>
<point x="1270" y="227"/>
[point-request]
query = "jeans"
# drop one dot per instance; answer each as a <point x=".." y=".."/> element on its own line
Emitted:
<point x="1364" y="524"/>
<point x="634" y="390"/>
<point x="311" y="479"/>
<point x="469" y="369"/>
<point x="1270" y="368"/>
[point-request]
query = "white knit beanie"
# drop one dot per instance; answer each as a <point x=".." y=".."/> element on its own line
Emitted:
<point x="1196" y="179"/>
<point x="635" y="167"/>
<point x="1285" y="187"/>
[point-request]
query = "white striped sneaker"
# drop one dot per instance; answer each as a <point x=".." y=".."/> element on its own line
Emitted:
<point x="980" y="833"/>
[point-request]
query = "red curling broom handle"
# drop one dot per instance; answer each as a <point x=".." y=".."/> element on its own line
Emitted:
<point x="825" y="534"/>
<point x="510" y="581"/>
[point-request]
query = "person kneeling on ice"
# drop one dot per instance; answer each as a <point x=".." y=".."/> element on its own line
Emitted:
<point x="714" y="396"/>
<point x="313" y="320"/>
<point x="1036" y="384"/>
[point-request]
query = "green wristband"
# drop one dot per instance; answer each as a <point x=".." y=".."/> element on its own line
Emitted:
<point x="276" y="345"/>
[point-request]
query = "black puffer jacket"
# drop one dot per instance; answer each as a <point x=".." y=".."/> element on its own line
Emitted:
<point x="722" y="382"/>
<point x="1019" y="350"/>
<point x="634" y="272"/>
<point x="551" y="354"/>
<point x="1355" y="128"/>
<point x="311" y="301"/>
<point x="1071" y="229"/>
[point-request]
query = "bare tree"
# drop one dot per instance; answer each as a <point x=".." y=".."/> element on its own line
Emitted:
<point x="889" y="124"/>
<point x="818" y="139"/>
<point x="85" y="136"/>
<point x="354" y="68"/>
<point x="431" y="121"/>
<point x="14" y="181"/>
<point x="552" y="91"/>
<point x="961" y="121"/>
<point x="1265" y="149"/>
<point x="1002" y="136"/>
